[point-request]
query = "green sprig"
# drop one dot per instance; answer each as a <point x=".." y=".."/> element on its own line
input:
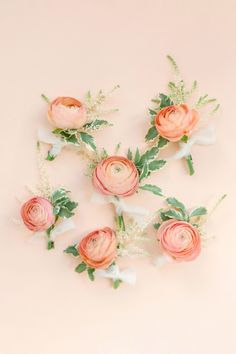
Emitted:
<point x="63" y="206"/>
<point x="72" y="250"/>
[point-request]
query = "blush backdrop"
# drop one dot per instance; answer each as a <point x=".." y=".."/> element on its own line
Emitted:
<point x="64" y="48"/>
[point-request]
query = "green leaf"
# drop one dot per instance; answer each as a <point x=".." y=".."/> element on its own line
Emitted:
<point x="152" y="188"/>
<point x="198" y="212"/>
<point x="69" y="135"/>
<point x="156" y="165"/>
<point x="144" y="172"/>
<point x="129" y="155"/>
<point x="72" y="250"/>
<point x="65" y="213"/>
<point x="176" y="204"/>
<point x="174" y="214"/>
<point x="71" y="205"/>
<point x="88" y="139"/>
<point x="68" y="132"/>
<point x="56" y="210"/>
<point x="162" y="142"/>
<point x="90" y="272"/>
<point x="151" y="134"/>
<point x="156" y="101"/>
<point x="163" y="216"/>
<point x="116" y="283"/>
<point x="165" y="101"/>
<point x="72" y="139"/>
<point x="137" y="156"/>
<point x="148" y="155"/>
<point x="57" y="131"/>
<point x="62" y="205"/>
<point x="156" y="226"/>
<point x="58" y="194"/>
<point x="152" y="112"/>
<point x="81" y="267"/>
<point x="96" y="124"/>
<point x="184" y="138"/>
<point x="50" y="157"/>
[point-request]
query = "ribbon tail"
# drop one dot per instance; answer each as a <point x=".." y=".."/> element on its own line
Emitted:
<point x="64" y="226"/>
<point x="184" y="150"/>
<point x="206" y="136"/>
<point x="113" y="272"/>
<point x="161" y="260"/>
<point x="137" y="213"/>
<point x="128" y="276"/>
<point x="47" y="137"/>
<point x="36" y="237"/>
<point x="98" y="198"/>
<point x="110" y="273"/>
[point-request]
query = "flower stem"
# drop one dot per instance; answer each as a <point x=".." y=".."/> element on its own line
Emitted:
<point x="217" y="204"/>
<point x="45" y="98"/>
<point x="190" y="165"/>
<point x="50" y="244"/>
<point x="121" y="222"/>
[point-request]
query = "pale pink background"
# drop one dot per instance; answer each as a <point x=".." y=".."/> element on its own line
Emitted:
<point x="64" y="48"/>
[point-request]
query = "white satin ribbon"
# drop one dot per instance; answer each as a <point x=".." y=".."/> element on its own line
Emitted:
<point x="48" y="137"/>
<point x="119" y="205"/>
<point x="64" y="226"/>
<point x="127" y="275"/>
<point x="161" y="260"/>
<point x="206" y="136"/>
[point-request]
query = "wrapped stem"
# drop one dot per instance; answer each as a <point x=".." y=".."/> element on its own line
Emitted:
<point x="121" y="223"/>
<point x="190" y="165"/>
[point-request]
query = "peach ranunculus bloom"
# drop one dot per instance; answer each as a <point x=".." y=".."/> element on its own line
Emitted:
<point x="179" y="239"/>
<point x="116" y="175"/>
<point x="173" y="122"/>
<point x="37" y="214"/>
<point x="98" y="248"/>
<point x="67" y="113"/>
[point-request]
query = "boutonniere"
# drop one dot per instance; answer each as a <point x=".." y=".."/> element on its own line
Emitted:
<point x="74" y="122"/>
<point x="100" y="250"/>
<point x="48" y="211"/>
<point x="96" y="251"/>
<point x="49" y="215"/>
<point x="180" y="231"/>
<point x="117" y="177"/>
<point x="175" y="119"/>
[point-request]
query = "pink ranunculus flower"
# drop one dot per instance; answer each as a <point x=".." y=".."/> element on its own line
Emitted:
<point x="98" y="248"/>
<point x="67" y="113"/>
<point x="173" y="122"/>
<point x="179" y="239"/>
<point x="37" y="214"/>
<point x="116" y="175"/>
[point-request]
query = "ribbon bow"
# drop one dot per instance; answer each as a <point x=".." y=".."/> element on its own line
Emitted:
<point x="161" y="260"/>
<point x="47" y="137"/>
<point x="136" y="212"/>
<point x="206" y="136"/>
<point x="127" y="275"/>
<point x="64" y="226"/>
